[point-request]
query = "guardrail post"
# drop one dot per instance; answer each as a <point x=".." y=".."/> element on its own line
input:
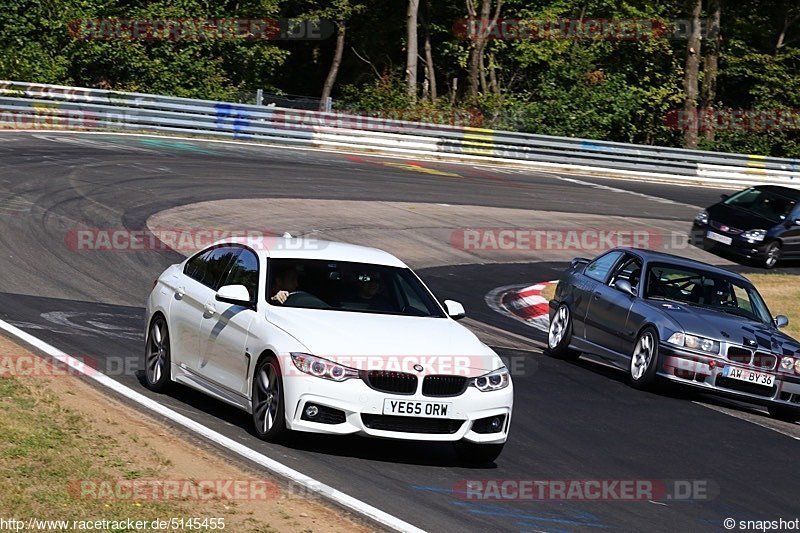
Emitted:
<point x="328" y="104"/>
<point x="259" y="96"/>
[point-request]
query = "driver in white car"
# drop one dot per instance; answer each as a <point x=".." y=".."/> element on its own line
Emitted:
<point x="285" y="283"/>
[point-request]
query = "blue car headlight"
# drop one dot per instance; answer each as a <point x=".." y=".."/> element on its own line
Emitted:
<point x="322" y="368"/>
<point x="495" y="380"/>
<point x="693" y="342"/>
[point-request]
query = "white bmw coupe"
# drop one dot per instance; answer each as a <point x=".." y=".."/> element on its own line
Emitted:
<point x="329" y="338"/>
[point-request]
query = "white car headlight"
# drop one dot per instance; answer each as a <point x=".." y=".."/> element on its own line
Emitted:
<point x="755" y="235"/>
<point x="702" y="217"/>
<point x="322" y="368"/>
<point x="694" y="343"/>
<point x="495" y="380"/>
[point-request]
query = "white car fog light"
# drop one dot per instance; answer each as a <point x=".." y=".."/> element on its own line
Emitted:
<point x="312" y="411"/>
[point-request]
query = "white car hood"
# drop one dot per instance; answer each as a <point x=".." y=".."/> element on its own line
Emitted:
<point x="349" y="337"/>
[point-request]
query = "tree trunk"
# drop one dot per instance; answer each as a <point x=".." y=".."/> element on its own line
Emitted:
<point x="412" y="50"/>
<point x="485" y="26"/>
<point x="482" y="70"/>
<point x="430" y="70"/>
<point x="493" y="84"/>
<point x="330" y="80"/>
<point x="690" y="78"/>
<point x="711" y="67"/>
<point x="788" y="21"/>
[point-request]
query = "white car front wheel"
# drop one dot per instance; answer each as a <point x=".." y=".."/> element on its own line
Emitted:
<point x="269" y="420"/>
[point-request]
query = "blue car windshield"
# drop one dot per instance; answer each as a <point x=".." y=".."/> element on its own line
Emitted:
<point x="705" y="289"/>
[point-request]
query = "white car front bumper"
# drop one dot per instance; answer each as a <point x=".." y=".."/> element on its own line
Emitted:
<point x="354" y="398"/>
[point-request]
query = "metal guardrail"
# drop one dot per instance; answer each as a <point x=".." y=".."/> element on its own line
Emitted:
<point x="38" y="106"/>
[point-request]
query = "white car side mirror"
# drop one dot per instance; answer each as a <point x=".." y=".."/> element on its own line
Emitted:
<point x="454" y="309"/>
<point x="234" y="294"/>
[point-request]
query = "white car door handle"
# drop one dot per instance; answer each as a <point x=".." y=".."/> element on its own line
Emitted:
<point x="180" y="292"/>
<point x="209" y="309"/>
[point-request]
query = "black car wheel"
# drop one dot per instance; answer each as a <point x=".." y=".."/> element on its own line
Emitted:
<point x="644" y="360"/>
<point x="785" y="413"/>
<point x="269" y="420"/>
<point x="772" y="255"/>
<point x="559" y="334"/>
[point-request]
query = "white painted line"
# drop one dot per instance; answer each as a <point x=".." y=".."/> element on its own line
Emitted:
<point x="725" y="412"/>
<point x="280" y="469"/>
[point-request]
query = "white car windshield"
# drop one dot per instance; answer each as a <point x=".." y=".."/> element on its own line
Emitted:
<point x="348" y="286"/>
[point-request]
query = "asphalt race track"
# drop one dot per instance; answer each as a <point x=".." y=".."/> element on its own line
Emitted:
<point x="571" y="421"/>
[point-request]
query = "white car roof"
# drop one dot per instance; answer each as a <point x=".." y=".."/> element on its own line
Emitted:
<point x="312" y="248"/>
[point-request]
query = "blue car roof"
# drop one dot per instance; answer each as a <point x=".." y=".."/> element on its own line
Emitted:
<point x="661" y="257"/>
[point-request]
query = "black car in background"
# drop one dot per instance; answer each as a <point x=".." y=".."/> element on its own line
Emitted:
<point x="760" y="223"/>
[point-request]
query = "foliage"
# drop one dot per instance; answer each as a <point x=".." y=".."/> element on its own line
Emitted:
<point x="615" y="89"/>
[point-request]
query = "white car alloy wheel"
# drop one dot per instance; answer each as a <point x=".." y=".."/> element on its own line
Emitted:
<point x="157" y="355"/>
<point x="644" y="359"/>
<point x="268" y="411"/>
<point x="558" y="327"/>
